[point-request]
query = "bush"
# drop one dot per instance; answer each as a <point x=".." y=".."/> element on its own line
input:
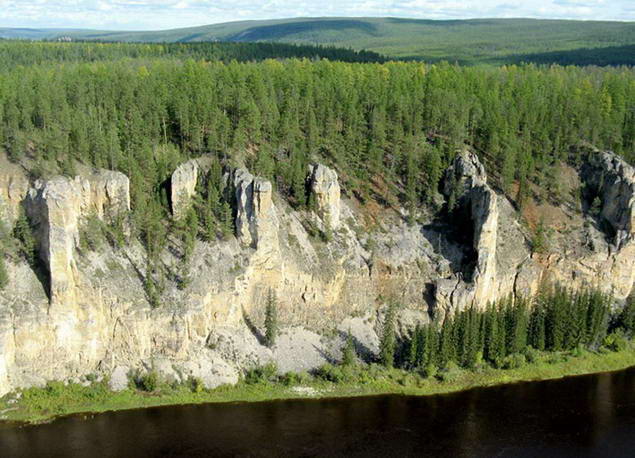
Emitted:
<point x="514" y="361"/>
<point x="330" y="373"/>
<point x="616" y="341"/>
<point x="450" y="373"/>
<point x="195" y="384"/>
<point x="262" y="374"/>
<point x="295" y="378"/>
<point x="430" y="371"/>
<point x="149" y="381"/>
<point x="531" y="355"/>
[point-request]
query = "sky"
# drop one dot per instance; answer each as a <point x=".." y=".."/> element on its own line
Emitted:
<point x="165" y="14"/>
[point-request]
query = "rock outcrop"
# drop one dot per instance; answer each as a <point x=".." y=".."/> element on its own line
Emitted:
<point x="183" y="187"/>
<point x="56" y="208"/>
<point x="475" y="204"/>
<point x="14" y="185"/>
<point x="99" y="319"/>
<point x="255" y="212"/>
<point x="325" y="189"/>
<point x="613" y="181"/>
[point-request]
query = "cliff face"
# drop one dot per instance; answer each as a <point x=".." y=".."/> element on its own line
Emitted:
<point x="91" y="314"/>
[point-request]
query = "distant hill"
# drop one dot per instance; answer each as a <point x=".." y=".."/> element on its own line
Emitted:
<point x="465" y="41"/>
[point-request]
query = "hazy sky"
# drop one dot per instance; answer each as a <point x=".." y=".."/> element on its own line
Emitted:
<point x="162" y="14"/>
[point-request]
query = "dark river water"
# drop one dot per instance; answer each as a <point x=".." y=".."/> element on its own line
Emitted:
<point x="582" y="416"/>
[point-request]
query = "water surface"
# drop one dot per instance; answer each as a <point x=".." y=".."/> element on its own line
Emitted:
<point x="582" y="416"/>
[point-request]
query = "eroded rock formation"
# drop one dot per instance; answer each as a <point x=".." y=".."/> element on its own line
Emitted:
<point x="613" y="180"/>
<point x="56" y="208"/>
<point x="183" y="187"/>
<point x="325" y="188"/>
<point x="476" y="210"/>
<point x="99" y="319"/>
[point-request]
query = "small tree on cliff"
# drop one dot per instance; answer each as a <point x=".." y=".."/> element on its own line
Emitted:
<point x="388" y="339"/>
<point x="4" y="276"/>
<point x="271" y="319"/>
<point x="349" y="355"/>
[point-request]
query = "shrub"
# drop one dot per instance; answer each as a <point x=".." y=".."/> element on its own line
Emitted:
<point x="514" y="361"/>
<point x="430" y="371"/>
<point x="616" y="341"/>
<point x="450" y="373"/>
<point x="149" y="381"/>
<point x="531" y="355"/>
<point x="262" y="374"/>
<point x="195" y="384"/>
<point x="295" y="378"/>
<point x="330" y="373"/>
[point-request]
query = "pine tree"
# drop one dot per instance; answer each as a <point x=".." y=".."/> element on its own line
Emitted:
<point x="349" y="354"/>
<point x="537" y="327"/>
<point x="24" y="234"/>
<point x="447" y="342"/>
<point x="4" y="276"/>
<point x="388" y="340"/>
<point x="627" y="317"/>
<point x="271" y="319"/>
<point x="413" y="348"/>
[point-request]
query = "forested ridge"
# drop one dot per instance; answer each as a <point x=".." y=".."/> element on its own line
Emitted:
<point x="486" y="40"/>
<point x="14" y="53"/>
<point x="392" y="126"/>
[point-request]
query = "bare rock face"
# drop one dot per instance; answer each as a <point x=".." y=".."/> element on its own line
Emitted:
<point x="55" y="207"/>
<point x="466" y="181"/>
<point x="183" y="187"/>
<point x="106" y="195"/>
<point x="614" y="182"/>
<point x="14" y="186"/>
<point x="255" y="212"/>
<point x="326" y="189"/>
<point x="605" y="257"/>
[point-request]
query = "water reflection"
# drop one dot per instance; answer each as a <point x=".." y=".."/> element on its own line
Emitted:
<point x="582" y="416"/>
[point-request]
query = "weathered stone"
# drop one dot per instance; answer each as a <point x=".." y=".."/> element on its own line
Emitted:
<point x="55" y="207"/>
<point x="14" y="185"/>
<point x="107" y="195"/>
<point x="183" y="188"/>
<point x="614" y="182"/>
<point x="325" y="188"/>
<point x="255" y="213"/>
<point x="466" y="182"/>
<point x="211" y="328"/>
<point x="119" y="378"/>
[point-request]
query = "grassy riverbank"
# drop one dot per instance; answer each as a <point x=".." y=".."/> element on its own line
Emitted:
<point x="56" y="399"/>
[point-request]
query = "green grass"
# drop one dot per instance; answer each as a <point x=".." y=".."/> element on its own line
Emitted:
<point x="493" y="41"/>
<point x="57" y="399"/>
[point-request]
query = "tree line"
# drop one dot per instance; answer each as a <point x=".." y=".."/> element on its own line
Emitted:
<point x="506" y="333"/>
<point x="27" y="53"/>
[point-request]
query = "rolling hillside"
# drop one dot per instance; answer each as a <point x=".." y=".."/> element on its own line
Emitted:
<point x="465" y="41"/>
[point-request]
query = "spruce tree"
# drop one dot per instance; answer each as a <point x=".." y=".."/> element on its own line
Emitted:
<point x="388" y="340"/>
<point x="349" y="354"/>
<point x="24" y="234"/>
<point x="627" y="317"/>
<point x="4" y="276"/>
<point x="271" y="319"/>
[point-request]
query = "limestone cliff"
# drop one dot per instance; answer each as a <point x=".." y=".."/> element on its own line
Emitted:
<point x="325" y="189"/>
<point x="183" y="187"/>
<point x="98" y="318"/>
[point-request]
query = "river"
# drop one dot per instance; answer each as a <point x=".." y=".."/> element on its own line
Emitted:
<point x="590" y="415"/>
